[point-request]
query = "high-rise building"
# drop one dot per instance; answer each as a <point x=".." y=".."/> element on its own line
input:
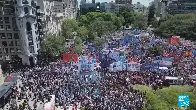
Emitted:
<point x="23" y="23"/>
<point x="20" y="30"/>
<point x="93" y="1"/>
<point x="123" y="1"/>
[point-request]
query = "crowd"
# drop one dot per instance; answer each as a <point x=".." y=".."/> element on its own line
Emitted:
<point x="100" y="90"/>
<point x="109" y="92"/>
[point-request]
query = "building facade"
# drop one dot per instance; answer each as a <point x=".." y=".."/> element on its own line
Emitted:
<point x="54" y="11"/>
<point x="138" y="7"/>
<point x="178" y="7"/>
<point x="20" y="31"/>
<point x="123" y="1"/>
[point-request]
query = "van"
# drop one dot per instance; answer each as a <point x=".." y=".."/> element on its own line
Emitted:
<point x="174" y="80"/>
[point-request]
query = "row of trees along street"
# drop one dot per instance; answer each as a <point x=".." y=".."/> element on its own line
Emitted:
<point x="92" y="26"/>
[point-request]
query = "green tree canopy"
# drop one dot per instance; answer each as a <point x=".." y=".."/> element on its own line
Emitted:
<point x="54" y="45"/>
<point x="151" y="13"/>
<point x="140" y="21"/>
<point x="183" y="25"/>
<point x="68" y="26"/>
<point x="167" y="98"/>
<point x="83" y="32"/>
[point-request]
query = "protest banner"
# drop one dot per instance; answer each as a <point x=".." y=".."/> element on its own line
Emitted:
<point x="133" y="66"/>
<point x="70" y="57"/>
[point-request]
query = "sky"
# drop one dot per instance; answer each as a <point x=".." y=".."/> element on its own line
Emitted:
<point x="143" y="2"/>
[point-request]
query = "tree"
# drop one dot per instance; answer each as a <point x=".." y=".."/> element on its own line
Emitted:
<point x="183" y="25"/>
<point x="166" y="98"/>
<point x="127" y="15"/>
<point x="78" y="45"/>
<point x="155" y="51"/>
<point x="140" y="21"/>
<point x="83" y="32"/>
<point x="53" y="45"/>
<point x="151" y="14"/>
<point x="68" y="27"/>
<point x="99" y="42"/>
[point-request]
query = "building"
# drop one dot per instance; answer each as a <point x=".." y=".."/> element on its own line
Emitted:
<point x="87" y="7"/>
<point x="110" y="7"/>
<point x="82" y="2"/>
<point x="123" y="1"/>
<point x="113" y="7"/>
<point x="23" y="24"/>
<point x="178" y="6"/>
<point x="53" y="11"/>
<point x="138" y="7"/>
<point x="20" y="30"/>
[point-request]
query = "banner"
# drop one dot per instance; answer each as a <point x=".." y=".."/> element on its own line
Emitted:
<point x="86" y="67"/>
<point x="70" y="57"/>
<point x="132" y="60"/>
<point x="188" y="53"/>
<point x="114" y="55"/>
<point x="194" y="52"/>
<point x="116" y="66"/>
<point x="174" y="40"/>
<point x="133" y="66"/>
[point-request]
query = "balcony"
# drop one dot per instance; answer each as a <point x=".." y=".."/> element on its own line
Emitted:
<point x="41" y="33"/>
<point x="39" y="20"/>
<point x="29" y="32"/>
<point x="31" y="43"/>
<point x="30" y="37"/>
<point x="39" y="27"/>
<point x="25" y="2"/>
<point x="33" y="4"/>
<point x="37" y="7"/>
<point x="38" y="14"/>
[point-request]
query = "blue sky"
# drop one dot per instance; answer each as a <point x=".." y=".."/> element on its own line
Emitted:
<point x="144" y="2"/>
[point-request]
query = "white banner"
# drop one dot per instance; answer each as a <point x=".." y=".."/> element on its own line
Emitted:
<point x="133" y="66"/>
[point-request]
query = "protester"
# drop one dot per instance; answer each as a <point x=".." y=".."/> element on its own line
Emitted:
<point x="99" y="89"/>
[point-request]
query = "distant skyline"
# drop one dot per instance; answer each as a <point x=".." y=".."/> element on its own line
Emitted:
<point x="143" y="2"/>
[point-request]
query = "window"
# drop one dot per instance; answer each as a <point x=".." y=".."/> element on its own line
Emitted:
<point x="26" y="10"/>
<point x="1" y="58"/>
<point x="5" y="50"/>
<point x="7" y="57"/>
<point x="16" y="36"/>
<point x="8" y="27"/>
<point x="2" y="35"/>
<point x="9" y="35"/>
<point x="11" y="43"/>
<point x="17" y="43"/>
<point x="32" y="49"/>
<point x="1" y="27"/>
<point x="18" y="50"/>
<point x="28" y="26"/>
<point x="16" y="9"/>
<point x="4" y="43"/>
<point x="7" y="21"/>
<point x="0" y="51"/>
<point x="1" y="20"/>
<point x="15" y="1"/>
<point x="12" y="50"/>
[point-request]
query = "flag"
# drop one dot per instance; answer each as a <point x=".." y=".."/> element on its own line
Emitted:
<point x="70" y="57"/>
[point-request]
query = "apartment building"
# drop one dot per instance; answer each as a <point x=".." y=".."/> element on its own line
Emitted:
<point x="178" y="7"/>
<point x="123" y="1"/>
<point x="53" y="11"/>
<point x="138" y="7"/>
<point x="20" y="30"/>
